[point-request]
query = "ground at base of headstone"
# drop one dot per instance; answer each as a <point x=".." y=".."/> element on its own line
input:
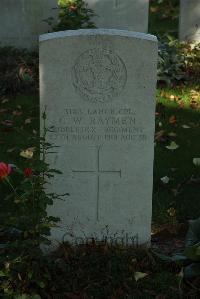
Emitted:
<point x="169" y="238"/>
<point x="100" y="271"/>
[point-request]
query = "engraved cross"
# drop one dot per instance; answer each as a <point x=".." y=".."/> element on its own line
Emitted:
<point x="98" y="172"/>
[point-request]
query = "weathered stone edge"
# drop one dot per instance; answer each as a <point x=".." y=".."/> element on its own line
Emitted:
<point x="89" y="32"/>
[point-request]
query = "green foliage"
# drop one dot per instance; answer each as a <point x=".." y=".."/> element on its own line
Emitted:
<point x="183" y="105"/>
<point x="25" y="225"/>
<point x="73" y="14"/>
<point x="191" y="54"/>
<point x="164" y="17"/>
<point x="18" y="70"/>
<point x="171" y="66"/>
<point x="178" y="62"/>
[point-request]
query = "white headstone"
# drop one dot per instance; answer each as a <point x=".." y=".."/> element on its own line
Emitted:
<point x="99" y="90"/>
<point x="22" y="21"/>
<point x="121" y="14"/>
<point x="189" y="25"/>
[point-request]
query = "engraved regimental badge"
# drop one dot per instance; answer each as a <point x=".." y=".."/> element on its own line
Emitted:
<point x="99" y="75"/>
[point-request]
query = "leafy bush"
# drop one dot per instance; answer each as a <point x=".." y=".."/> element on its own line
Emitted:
<point x="171" y="64"/>
<point x="25" y="224"/>
<point x="192" y="61"/>
<point x="73" y="14"/>
<point x="18" y="70"/>
<point x="164" y="17"/>
<point x="178" y="62"/>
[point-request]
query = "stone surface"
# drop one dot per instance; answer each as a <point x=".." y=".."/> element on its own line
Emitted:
<point x="21" y="21"/>
<point x="98" y="87"/>
<point x="121" y="14"/>
<point x="189" y="25"/>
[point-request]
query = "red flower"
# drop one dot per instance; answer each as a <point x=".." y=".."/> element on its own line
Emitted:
<point x="28" y="172"/>
<point x="5" y="170"/>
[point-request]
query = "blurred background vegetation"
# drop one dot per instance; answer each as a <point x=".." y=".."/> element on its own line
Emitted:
<point x="164" y="17"/>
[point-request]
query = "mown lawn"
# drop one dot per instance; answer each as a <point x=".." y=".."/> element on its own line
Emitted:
<point x="177" y="120"/>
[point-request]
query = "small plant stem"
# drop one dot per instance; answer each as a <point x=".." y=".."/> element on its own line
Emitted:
<point x="33" y="192"/>
<point x="8" y="182"/>
<point x="43" y="140"/>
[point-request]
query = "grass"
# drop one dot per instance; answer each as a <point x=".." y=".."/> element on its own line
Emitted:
<point x="19" y="126"/>
<point x="176" y="108"/>
<point x="178" y="114"/>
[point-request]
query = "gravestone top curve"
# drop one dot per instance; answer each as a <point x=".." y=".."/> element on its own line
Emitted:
<point x="88" y="32"/>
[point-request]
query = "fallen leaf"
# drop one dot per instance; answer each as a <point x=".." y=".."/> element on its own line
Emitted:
<point x="134" y="260"/>
<point x="185" y="127"/>
<point x="171" y="212"/>
<point x="172" y="97"/>
<point x="159" y="134"/>
<point x="174" y="169"/>
<point x="17" y="201"/>
<point x="195" y="94"/>
<point x="163" y="94"/>
<point x="177" y="98"/>
<point x="165" y="180"/>
<point x="154" y="9"/>
<point x="196" y="161"/>
<point x="181" y="274"/>
<point x="11" y="150"/>
<point x="16" y="113"/>
<point x="7" y="123"/>
<point x="28" y="153"/>
<point x="27" y="121"/>
<point x="195" y="97"/>
<point x="19" y="276"/>
<point x="194" y="104"/>
<point x="139" y="275"/>
<point x="181" y="104"/>
<point x="193" y="91"/>
<point x="172" y="120"/>
<point x="4" y="101"/>
<point x="172" y="146"/>
<point x="172" y="134"/>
